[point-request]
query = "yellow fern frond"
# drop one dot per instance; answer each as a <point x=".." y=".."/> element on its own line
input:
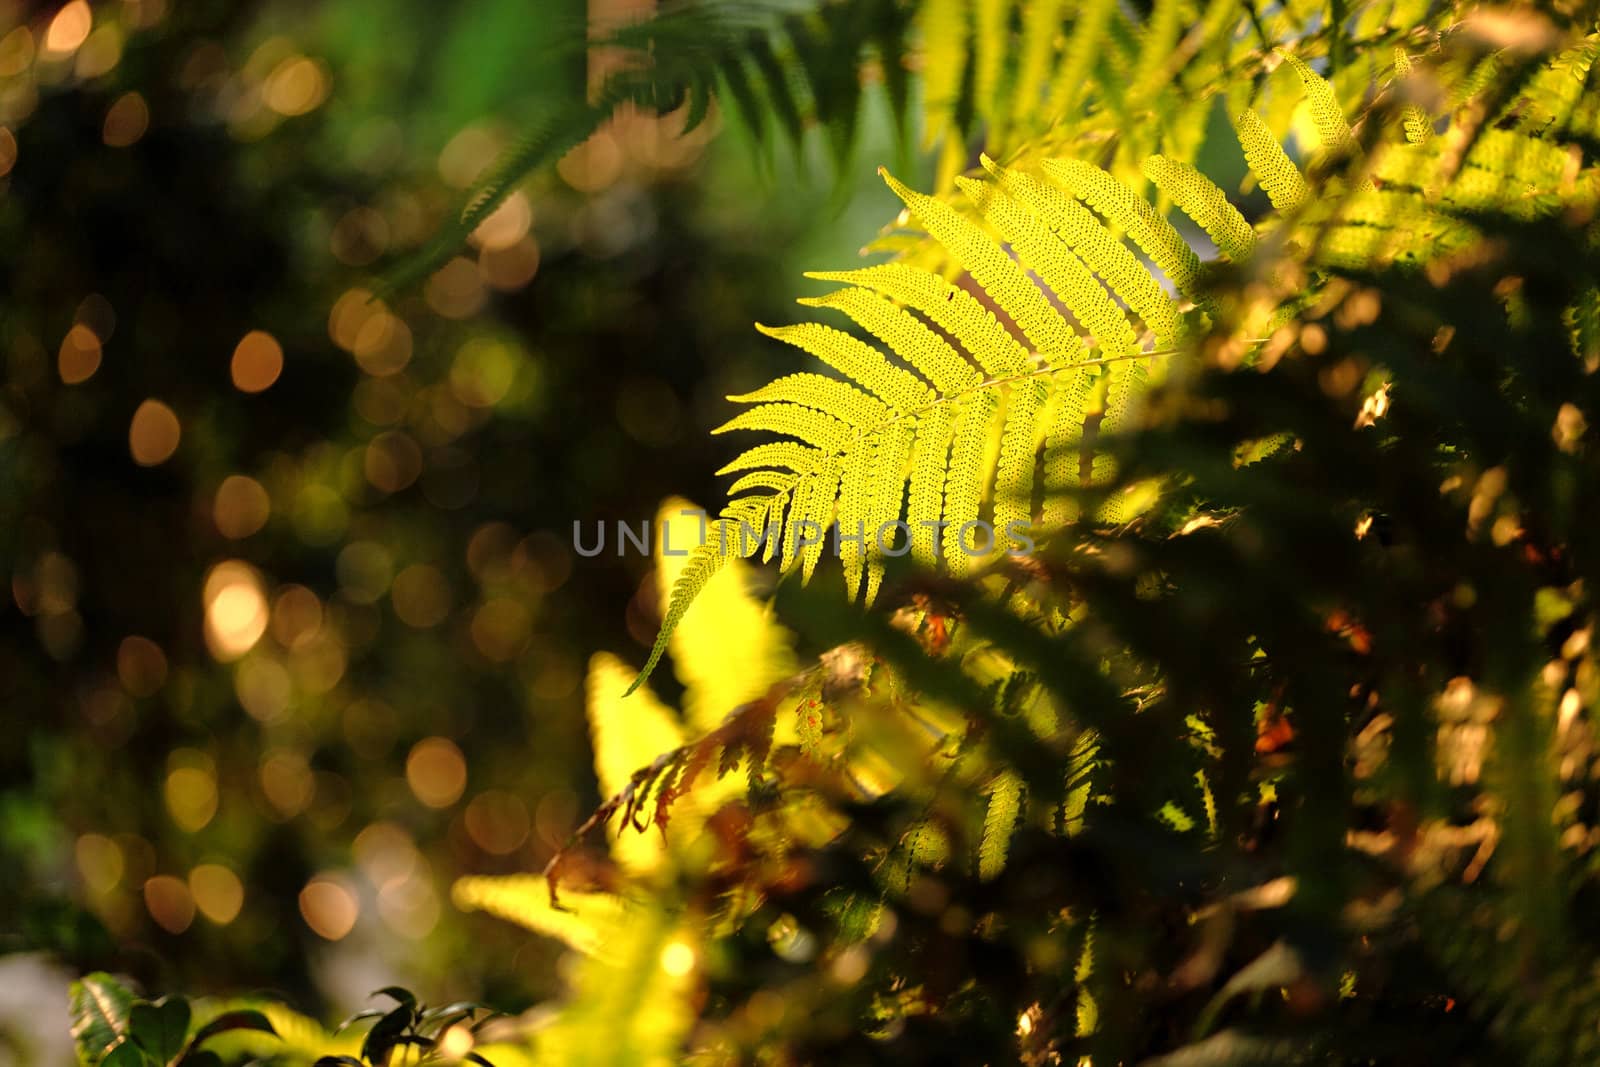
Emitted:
<point x="993" y="24"/>
<point x="1088" y="37"/>
<point x="1155" y="51"/>
<point x="1005" y="806"/>
<point x="950" y="308"/>
<point x="1418" y="126"/>
<point x="854" y="485"/>
<point x="1206" y="204"/>
<point x="1057" y="266"/>
<point x="1041" y="24"/>
<point x="790" y="455"/>
<point x="904" y="334"/>
<point x="632" y="1006"/>
<point x="945" y="27"/>
<point x="792" y="420"/>
<point x="1124" y="381"/>
<point x="856" y="360"/>
<point x="1104" y="254"/>
<point x="964" y="481"/>
<point x="825" y="394"/>
<point x="702" y="564"/>
<point x="585" y="921"/>
<point x="1013" y="484"/>
<point x="885" y="498"/>
<point x="1133" y="214"/>
<point x="1064" y="449"/>
<point x="1282" y="180"/>
<point x="726" y="650"/>
<point x="819" y="513"/>
<point x="929" y="459"/>
<point x="628" y="733"/>
<point x="991" y="268"/>
<point x="1332" y="127"/>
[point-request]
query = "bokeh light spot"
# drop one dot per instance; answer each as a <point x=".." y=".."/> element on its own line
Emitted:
<point x="191" y="795"/>
<point x="436" y="772"/>
<point x="217" y="892"/>
<point x="456" y="290"/>
<point x="126" y="121"/>
<point x="153" y="434"/>
<point x="69" y="29"/>
<point x="497" y="821"/>
<point x="506" y="224"/>
<point x="241" y="507"/>
<point x="16" y="52"/>
<point x="382" y="344"/>
<point x="257" y="362"/>
<point x="483" y="372"/>
<point x="295" y="86"/>
<point x="500" y="629"/>
<point x="329" y="906"/>
<point x="100" y="862"/>
<point x="288" y="783"/>
<point x="169" y="902"/>
<point x="509" y="269"/>
<point x="677" y="958"/>
<point x="79" y="356"/>
<point x="236" y="609"/>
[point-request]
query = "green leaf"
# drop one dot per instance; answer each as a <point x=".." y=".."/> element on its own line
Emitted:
<point x="160" y="1027"/>
<point x="99" y="1005"/>
<point x="387" y="1031"/>
<point x="126" y="1054"/>
<point x="398" y="994"/>
<point x="243" y="1019"/>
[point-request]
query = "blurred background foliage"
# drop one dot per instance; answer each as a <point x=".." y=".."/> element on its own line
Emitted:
<point x="292" y="633"/>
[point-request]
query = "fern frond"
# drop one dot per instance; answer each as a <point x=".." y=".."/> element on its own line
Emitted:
<point x="1088" y="36"/>
<point x="727" y="649"/>
<point x="1418" y="126"/>
<point x="1013" y="483"/>
<point x="948" y="307"/>
<point x="787" y="454"/>
<point x="904" y="334"/>
<point x="1005" y="807"/>
<point x="1057" y="266"/>
<point x="1041" y="22"/>
<point x="825" y="394"/>
<point x="964" y="481"/>
<point x="885" y="498"/>
<point x="704" y="561"/>
<point x="585" y="921"/>
<point x="815" y="428"/>
<point x="991" y="42"/>
<point x="1064" y="451"/>
<point x="1282" y="180"/>
<point x="1116" y="203"/>
<point x="1206" y="204"/>
<point x="944" y="26"/>
<point x="1108" y="257"/>
<point x="1338" y="140"/>
<point x="930" y="457"/>
<point x="991" y="268"/>
<point x="898" y="388"/>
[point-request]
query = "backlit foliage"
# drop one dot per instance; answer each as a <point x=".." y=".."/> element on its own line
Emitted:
<point x="1277" y="744"/>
